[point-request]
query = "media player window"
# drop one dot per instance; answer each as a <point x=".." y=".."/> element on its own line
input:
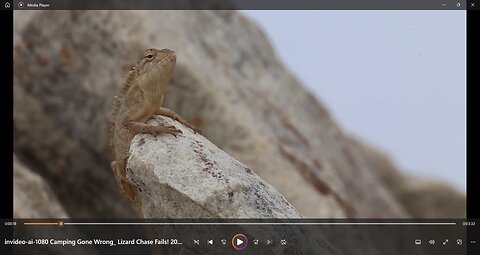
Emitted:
<point x="254" y="127"/>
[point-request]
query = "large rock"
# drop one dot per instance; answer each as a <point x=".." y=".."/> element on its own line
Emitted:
<point x="189" y="177"/>
<point x="228" y="82"/>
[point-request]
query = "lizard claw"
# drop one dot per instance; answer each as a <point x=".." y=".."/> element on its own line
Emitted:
<point x="174" y="131"/>
<point x="168" y="129"/>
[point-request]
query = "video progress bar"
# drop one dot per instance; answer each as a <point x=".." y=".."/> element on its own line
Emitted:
<point x="267" y="223"/>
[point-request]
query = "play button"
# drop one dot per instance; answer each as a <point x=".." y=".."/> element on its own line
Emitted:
<point x="239" y="242"/>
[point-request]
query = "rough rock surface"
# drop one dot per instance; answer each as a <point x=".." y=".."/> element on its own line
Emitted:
<point x="228" y="81"/>
<point x="189" y="177"/>
<point x="33" y="197"/>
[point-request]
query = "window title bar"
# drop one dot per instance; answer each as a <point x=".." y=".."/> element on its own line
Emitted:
<point x="240" y="5"/>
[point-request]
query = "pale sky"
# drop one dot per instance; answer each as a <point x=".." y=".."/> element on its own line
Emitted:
<point x="394" y="78"/>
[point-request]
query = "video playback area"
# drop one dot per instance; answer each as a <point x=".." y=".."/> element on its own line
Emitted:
<point x="329" y="237"/>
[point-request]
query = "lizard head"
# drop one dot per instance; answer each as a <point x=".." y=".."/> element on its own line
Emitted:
<point x="164" y="59"/>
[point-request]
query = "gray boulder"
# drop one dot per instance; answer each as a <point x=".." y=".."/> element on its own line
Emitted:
<point x="189" y="177"/>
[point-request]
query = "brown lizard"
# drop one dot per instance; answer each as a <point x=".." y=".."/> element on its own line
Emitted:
<point x="138" y="100"/>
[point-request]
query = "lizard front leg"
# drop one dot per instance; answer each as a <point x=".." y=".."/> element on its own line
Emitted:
<point x="151" y="129"/>
<point x="169" y="113"/>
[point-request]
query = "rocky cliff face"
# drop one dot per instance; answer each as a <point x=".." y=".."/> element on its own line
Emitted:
<point x="228" y="82"/>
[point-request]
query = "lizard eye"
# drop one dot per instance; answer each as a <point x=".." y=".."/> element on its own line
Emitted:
<point x="150" y="55"/>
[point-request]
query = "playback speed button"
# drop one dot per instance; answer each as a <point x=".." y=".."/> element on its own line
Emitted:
<point x="239" y="242"/>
